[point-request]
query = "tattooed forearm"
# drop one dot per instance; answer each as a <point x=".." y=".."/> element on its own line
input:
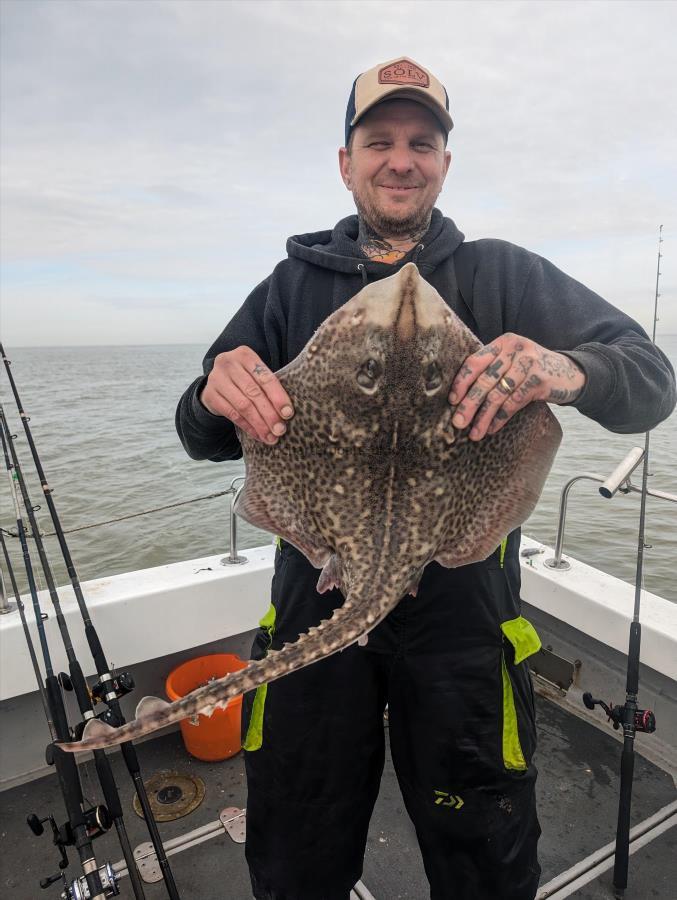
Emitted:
<point x="563" y="396"/>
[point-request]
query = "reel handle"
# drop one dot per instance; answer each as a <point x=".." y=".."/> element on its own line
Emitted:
<point x="35" y="824"/>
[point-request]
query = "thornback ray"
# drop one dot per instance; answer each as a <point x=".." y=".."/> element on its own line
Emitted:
<point x="371" y="481"/>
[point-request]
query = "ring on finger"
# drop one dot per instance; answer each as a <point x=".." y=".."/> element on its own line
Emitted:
<point x="507" y="385"/>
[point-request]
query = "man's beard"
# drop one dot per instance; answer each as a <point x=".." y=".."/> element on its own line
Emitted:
<point x="412" y="226"/>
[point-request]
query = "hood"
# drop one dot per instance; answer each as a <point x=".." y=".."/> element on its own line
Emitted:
<point x="338" y="249"/>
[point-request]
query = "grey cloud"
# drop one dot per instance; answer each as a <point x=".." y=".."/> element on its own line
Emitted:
<point x="184" y="141"/>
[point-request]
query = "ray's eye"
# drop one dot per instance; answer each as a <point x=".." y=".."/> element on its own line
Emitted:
<point x="432" y="375"/>
<point x="369" y="373"/>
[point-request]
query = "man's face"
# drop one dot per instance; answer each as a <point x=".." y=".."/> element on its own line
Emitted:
<point x="396" y="166"/>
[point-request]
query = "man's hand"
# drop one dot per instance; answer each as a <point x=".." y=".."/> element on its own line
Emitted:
<point x="242" y="388"/>
<point x="501" y="378"/>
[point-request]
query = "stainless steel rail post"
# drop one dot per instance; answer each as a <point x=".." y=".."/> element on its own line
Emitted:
<point x="233" y="558"/>
<point x="557" y="562"/>
<point x="619" y="480"/>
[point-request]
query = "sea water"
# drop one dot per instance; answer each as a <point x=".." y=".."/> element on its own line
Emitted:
<point x="103" y="421"/>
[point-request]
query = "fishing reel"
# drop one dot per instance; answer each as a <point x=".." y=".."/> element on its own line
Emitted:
<point x="120" y="684"/>
<point x="97" y="822"/>
<point x="644" y="719"/>
<point x="123" y="684"/>
<point x="78" y="890"/>
<point x="36" y="826"/>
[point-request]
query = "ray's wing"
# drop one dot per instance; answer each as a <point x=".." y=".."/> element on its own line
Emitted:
<point x="494" y="484"/>
<point x="267" y="502"/>
<point x="276" y="495"/>
<point x="280" y="516"/>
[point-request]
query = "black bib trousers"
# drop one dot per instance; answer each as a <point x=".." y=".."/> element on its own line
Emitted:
<point x="461" y="730"/>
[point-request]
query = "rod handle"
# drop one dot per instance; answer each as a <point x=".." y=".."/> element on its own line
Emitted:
<point x="110" y="789"/>
<point x="622" y="854"/>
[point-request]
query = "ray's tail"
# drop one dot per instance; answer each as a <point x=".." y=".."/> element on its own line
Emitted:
<point x="348" y="623"/>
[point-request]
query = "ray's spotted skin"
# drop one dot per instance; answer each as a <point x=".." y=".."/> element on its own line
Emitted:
<point x="372" y="481"/>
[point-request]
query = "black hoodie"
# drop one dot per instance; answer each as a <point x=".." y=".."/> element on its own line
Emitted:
<point x="630" y="384"/>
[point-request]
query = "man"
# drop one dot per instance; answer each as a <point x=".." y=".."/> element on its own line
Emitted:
<point x="450" y="662"/>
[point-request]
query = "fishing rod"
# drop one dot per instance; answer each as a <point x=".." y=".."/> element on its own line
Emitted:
<point x="110" y="686"/>
<point x="628" y="716"/>
<point x="75" y="681"/>
<point x="27" y="634"/>
<point x="82" y="825"/>
<point x="633" y="718"/>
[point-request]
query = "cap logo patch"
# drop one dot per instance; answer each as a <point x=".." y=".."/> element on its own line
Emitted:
<point x="403" y="72"/>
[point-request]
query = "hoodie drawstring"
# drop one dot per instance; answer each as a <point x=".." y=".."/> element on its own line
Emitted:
<point x="417" y="252"/>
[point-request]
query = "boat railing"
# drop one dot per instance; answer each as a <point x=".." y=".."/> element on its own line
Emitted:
<point x="618" y="480"/>
<point x="610" y="485"/>
<point x="233" y="558"/>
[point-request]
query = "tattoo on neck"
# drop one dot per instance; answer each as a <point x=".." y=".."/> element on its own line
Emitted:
<point x="378" y="248"/>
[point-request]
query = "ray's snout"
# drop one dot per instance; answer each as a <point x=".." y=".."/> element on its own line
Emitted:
<point x="420" y="306"/>
<point x="403" y="303"/>
<point x="405" y="323"/>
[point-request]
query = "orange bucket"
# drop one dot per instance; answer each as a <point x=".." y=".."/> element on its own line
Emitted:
<point x="217" y="736"/>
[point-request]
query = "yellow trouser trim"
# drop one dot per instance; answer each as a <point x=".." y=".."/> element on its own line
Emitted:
<point x="513" y="758"/>
<point x="254" y="737"/>
<point x="523" y="637"/>
<point x="525" y="641"/>
<point x="268" y="621"/>
<point x="503" y="548"/>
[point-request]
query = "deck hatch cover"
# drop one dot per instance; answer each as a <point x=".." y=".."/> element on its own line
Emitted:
<point x="172" y="795"/>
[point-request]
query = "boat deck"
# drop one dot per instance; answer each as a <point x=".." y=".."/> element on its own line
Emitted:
<point x="578" y="794"/>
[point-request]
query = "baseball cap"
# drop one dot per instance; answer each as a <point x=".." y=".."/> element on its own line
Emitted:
<point x="401" y="78"/>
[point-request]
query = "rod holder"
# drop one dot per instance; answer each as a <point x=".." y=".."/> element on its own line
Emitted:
<point x="233" y="558"/>
<point x="622" y="472"/>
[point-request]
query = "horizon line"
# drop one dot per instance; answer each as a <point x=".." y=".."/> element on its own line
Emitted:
<point x="162" y="344"/>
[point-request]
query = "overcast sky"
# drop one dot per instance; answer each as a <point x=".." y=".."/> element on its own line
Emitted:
<point x="156" y="155"/>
